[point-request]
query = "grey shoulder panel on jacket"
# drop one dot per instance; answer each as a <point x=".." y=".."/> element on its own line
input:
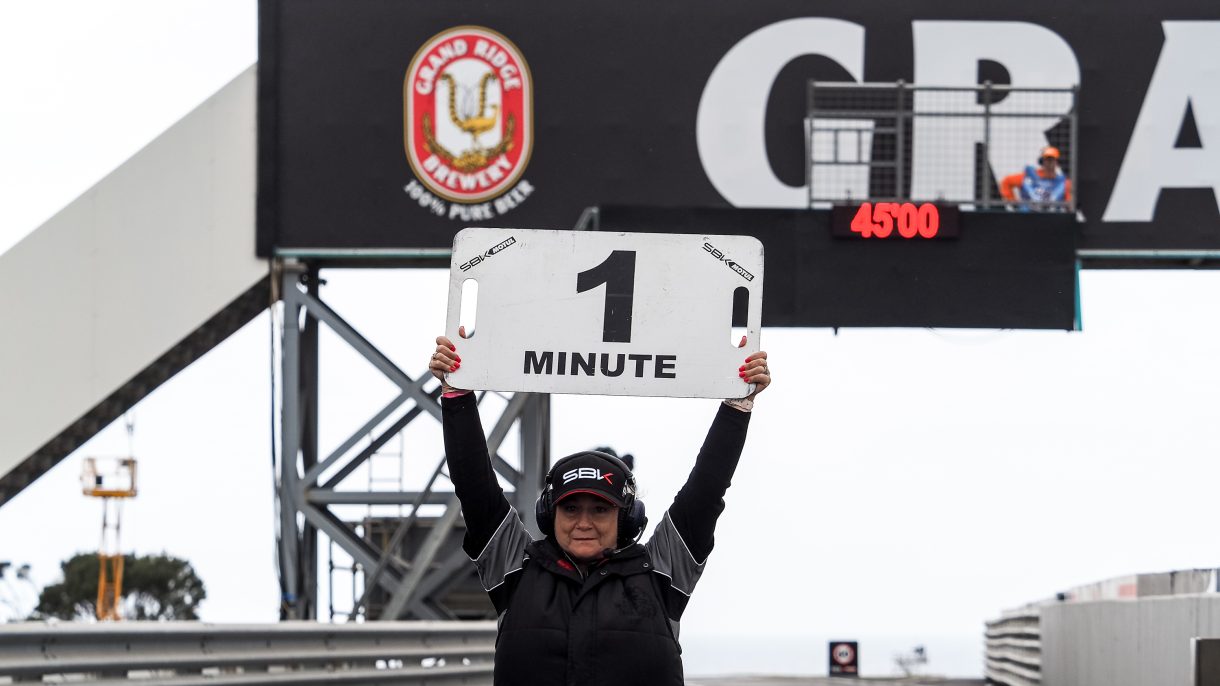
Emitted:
<point x="671" y="557"/>
<point x="504" y="553"/>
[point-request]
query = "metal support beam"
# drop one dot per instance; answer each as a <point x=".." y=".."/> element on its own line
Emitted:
<point x="535" y="433"/>
<point x="415" y="580"/>
<point x="375" y="445"/>
<point x="900" y="134"/>
<point x="290" y="443"/>
<point x="312" y="474"/>
<point x="423" y="560"/>
<point x="399" y="536"/>
<point x="439" y="580"/>
<point x="308" y="596"/>
<point x="359" y="549"/>
<point x="322" y="496"/>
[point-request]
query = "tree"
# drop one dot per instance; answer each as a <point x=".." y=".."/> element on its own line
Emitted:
<point x="154" y="587"/>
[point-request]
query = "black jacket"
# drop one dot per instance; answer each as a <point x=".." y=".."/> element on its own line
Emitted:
<point x="619" y="623"/>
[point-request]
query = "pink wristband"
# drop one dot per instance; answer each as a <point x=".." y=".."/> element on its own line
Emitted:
<point x="454" y="394"/>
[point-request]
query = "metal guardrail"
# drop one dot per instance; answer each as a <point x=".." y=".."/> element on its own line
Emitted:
<point x="425" y="652"/>
<point x="1014" y="649"/>
<point x="898" y="142"/>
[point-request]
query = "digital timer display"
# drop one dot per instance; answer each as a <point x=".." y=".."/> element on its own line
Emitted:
<point x="906" y="220"/>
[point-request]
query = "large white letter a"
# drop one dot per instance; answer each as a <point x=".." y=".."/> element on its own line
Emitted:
<point x="1187" y="73"/>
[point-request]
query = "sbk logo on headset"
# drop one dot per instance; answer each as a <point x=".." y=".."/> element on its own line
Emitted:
<point x="587" y="473"/>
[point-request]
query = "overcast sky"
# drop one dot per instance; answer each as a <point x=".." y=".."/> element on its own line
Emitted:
<point x="899" y="486"/>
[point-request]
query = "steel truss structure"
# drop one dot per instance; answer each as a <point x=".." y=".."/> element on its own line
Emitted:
<point x="308" y="482"/>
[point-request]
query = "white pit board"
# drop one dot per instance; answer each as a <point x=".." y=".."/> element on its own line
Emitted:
<point x="542" y="323"/>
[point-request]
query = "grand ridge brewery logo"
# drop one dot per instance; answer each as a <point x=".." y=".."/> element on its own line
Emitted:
<point x="468" y="124"/>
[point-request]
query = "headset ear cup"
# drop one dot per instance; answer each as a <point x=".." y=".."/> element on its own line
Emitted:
<point x="633" y="522"/>
<point x="543" y="513"/>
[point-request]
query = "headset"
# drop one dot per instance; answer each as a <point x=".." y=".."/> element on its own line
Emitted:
<point x="631" y="517"/>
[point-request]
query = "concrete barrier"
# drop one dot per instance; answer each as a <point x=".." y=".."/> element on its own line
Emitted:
<point x="1144" y="642"/>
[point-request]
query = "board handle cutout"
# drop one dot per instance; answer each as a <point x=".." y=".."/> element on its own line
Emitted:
<point x="741" y="315"/>
<point x="468" y="314"/>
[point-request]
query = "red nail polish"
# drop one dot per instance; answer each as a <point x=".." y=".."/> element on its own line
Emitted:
<point x="459" y="359"/>
<point x="742" y="368"/>
<point x="454" y="349"/>
<point x="742" y="375"/>
<point x="453" y="368"/>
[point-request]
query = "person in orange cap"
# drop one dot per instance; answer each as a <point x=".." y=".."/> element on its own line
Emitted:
<point x="1038" y="187"/>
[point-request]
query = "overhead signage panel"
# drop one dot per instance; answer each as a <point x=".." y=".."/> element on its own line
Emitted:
<point x="395" y="124"/>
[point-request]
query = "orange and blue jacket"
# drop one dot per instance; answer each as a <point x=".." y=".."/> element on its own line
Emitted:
<point x="1036" y="187"/>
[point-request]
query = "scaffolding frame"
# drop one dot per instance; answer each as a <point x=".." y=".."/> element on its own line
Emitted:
<point x="112" y="486"/>
<point x="304" y="497"/>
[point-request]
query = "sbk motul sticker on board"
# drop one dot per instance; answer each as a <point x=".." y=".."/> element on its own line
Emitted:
<point x="468" y="124"/>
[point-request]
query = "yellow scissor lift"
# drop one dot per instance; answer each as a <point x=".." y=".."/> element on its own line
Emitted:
<point x="112" y="480"/>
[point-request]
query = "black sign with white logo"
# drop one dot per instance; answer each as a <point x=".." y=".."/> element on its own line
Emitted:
<point x="844" y="658"/>
<point x="388" y="124"/>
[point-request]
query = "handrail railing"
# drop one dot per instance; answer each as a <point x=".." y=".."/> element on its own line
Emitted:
<point x="899" y="142"/>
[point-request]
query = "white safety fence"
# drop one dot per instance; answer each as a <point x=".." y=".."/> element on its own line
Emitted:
<point x="425" y="652"/>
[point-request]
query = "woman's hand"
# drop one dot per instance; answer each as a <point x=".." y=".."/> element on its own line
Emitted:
<point x="446" y="359"/>
<point x="756" y="371"/>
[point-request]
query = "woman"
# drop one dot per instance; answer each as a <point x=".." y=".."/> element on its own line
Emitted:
<point x="588" y="604"/>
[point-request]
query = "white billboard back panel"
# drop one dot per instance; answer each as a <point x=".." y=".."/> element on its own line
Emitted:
<point x="127" y="271"/>
<point x="604" y="313"/>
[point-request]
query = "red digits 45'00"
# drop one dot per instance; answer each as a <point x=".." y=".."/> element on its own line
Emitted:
<point x="879" y="220"/>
